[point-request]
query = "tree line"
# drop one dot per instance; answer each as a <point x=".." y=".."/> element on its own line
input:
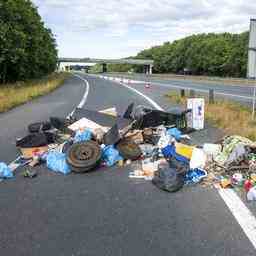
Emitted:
<point x="203" y="54"/>
<point x="27" y="47"/>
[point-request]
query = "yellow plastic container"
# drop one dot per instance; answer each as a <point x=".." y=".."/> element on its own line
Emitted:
<point x="184" y="150"/>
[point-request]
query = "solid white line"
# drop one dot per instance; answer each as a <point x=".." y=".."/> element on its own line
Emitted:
<point x="83" y="100"/>
<point x="241" y="213"/>
<point x="80" y="105"/>
<point x="153" y="103"/>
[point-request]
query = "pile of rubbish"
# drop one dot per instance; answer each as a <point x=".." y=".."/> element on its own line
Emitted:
<point x="232" y="164"/>
<point x="155" y="141"/>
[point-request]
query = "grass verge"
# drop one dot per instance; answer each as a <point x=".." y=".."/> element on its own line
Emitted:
<point x="230" y="116"/>
<point x="12" y="95"/>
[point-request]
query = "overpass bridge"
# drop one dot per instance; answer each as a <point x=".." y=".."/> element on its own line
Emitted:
<point x="148" y="64"/>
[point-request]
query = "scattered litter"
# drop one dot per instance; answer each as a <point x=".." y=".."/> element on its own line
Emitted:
<point x="110" y="155"/>
<point x="211" y="150"/>
<point x="83" y="135"/>
<point x="129" y="149"/>
<point x="195" y="176"/>
<point x="29" y="173"/>
<point x="39" y="127"/>
<point x="167" y="178"/>
<point x="237" y="179"/>
<point x="251" y="195"/>
<point x="170" y="151"/>
<point x="5" y="172"/>
<point x="226" y="183"/>
<point x="28" y="153"/>
<point x="174" y="132"/>
<point x="84" y="156"/>
<point x="154" y="139"/>
<point x="198" y="159"/>
<point x="184" y="150"/>
<point x="57" y="162"/>
<point x="85" y="123"/>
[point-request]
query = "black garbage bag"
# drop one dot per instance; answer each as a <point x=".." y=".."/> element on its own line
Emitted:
<point x="40" y="126"/>
<point x="36" y="140"/>
<point x="167" y="179"/>
<point x="179" y="166"/>
<point x="62" y="124"/>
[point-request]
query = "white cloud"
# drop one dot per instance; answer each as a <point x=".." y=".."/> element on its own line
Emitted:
<point x="142" y="21"/>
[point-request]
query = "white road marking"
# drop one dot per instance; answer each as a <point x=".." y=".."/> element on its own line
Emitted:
<point x="80" y="105"/>
<point x="83" y="100"/>
<point x="192" y="88"/>
<point x="241" y="213"/>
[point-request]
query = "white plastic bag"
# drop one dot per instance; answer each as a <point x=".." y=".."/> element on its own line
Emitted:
<point x="198" y="159"/>
<point x="251" y="195"/>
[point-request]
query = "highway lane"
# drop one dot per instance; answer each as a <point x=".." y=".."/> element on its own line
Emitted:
<point x="105" y="212"/>
<point x="239" y="92"/>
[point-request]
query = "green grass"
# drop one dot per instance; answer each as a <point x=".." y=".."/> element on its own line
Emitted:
<point x="12" y="95"/>
<point x="230" y="116"/>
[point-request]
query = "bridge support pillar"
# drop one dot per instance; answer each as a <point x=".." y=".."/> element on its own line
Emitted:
<point x="148" y="69"/>
<point x="58" y="66"/>
<point x="104" y="68"/>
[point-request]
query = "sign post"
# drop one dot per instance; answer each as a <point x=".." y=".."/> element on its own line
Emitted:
<point x="251" y="69"/>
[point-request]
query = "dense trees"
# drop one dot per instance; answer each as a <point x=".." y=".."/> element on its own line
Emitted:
<point x="204" y="54"/>
<point x="27" y="47"/>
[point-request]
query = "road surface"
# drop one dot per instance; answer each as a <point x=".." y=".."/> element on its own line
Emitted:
<point x="242" y="93"/>
<point x="105" y="212"/>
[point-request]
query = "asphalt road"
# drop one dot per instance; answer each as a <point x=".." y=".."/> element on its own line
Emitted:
<point x="242" y="93"/>
<point x="105" y="212"/>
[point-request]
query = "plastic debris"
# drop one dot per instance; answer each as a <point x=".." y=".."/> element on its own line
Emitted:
<point x="237" y="179"/>
<point x="211" y="150"/>
<point x="174" y="132"/>
<point x="195" y="176"/>
<point x="5" y="172"/>
<point x="170" y="152"/>
<point x="110" y="155"/>
<point x="29" y="174"/>
<point x="184" y="150"/>
<point x="226" y="183"/>
<point x="198" y="159"/>
<point x="167" y="179"/>
<point x="251" y="195"/>
<point x="83" y="135"/>
<point x="248" y="185"/>
<point x="57" y="162"/>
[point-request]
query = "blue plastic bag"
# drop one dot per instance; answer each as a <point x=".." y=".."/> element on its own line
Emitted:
<point x="57" y="162"/>
<point x="5" y="172"/>
<point x="195" y="176"/>
<point x="170" y="151"/>
<point x="174" y="132"/>
<point x="110" y="155"/>
<point x="85" y="135"/>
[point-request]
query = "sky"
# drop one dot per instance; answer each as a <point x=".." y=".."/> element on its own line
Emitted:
<point x="122" y="28"/>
